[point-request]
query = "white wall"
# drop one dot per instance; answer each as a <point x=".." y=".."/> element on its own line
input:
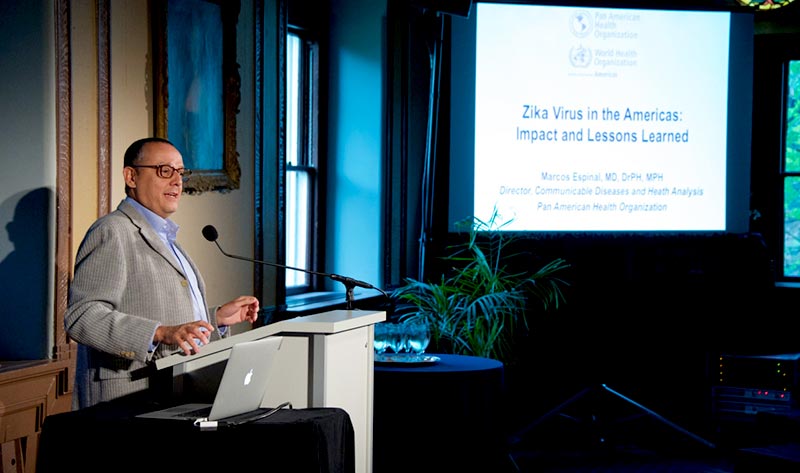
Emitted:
<point x="132" y="118"/>
<point x="27" y="178"/>
<point x="355" y="148"/>
<point x="28" y="150"/>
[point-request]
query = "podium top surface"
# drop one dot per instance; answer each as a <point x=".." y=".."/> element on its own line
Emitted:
<point x="332" y="321"/>
<point x="329" y="322"/>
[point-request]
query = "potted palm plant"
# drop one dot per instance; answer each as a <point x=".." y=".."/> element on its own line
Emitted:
<point x="479" y="305"/>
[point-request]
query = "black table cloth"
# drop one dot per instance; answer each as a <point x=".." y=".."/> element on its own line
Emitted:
<point x="445" y="416"/>
<point x="107" y="437"/>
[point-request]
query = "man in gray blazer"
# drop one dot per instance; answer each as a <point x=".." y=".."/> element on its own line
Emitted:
<point x="136" y="295"/>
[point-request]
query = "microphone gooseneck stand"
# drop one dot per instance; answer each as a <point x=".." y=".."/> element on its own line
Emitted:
<point x="210" y="234"/>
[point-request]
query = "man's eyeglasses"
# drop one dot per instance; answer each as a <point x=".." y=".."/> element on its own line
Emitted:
<point x="165" y="170"/>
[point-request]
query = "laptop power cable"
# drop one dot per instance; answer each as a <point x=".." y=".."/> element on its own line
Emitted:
<point x="205" y="424"/>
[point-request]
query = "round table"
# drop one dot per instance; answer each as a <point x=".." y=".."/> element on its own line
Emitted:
<point x="441" y="416"/>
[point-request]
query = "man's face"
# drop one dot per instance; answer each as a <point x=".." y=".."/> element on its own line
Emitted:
<point x="161" y="195"/>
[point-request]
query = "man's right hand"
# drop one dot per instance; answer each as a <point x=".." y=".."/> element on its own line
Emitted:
<point x="189" y="337"/>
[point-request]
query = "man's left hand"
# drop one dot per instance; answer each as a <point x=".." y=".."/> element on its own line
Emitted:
<point x="241" y="309"/>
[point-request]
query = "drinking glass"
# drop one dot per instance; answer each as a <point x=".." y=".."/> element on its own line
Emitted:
<point x="381" y="337"/>
<point x="398" y="338"/>
<point x="419" y="336"/>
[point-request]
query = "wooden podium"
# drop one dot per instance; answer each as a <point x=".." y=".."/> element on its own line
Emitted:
<point x="325" y="360"/>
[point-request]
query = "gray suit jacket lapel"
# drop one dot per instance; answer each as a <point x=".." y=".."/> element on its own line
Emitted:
<point x="149" y="235"/>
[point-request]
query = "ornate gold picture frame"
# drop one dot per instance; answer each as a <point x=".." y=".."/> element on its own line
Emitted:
<point x="196" y="86"/>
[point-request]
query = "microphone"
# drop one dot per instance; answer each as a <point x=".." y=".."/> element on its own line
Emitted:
<point x="210" y="233"/>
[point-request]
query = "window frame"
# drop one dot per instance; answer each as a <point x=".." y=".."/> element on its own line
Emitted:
<point x="785" y="173"/>
<point x="767" y="194"/>
<point x="303" y="158"/>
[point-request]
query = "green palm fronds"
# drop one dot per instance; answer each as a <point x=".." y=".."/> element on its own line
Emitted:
<point x="479" y="306"/>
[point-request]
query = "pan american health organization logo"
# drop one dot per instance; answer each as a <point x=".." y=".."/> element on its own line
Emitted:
<point x="580" y="23"/>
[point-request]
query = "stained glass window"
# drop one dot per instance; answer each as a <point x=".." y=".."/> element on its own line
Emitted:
<point x="765" y="4"/>
<point x="791" y="173"/>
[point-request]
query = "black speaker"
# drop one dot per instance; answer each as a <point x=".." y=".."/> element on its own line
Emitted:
<point x="450" y="7"/>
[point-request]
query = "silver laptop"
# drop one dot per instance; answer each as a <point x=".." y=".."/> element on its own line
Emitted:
<point x="241" y="388"/>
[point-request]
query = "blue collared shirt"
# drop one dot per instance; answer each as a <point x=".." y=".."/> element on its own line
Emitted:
<point x="168" y="231"/>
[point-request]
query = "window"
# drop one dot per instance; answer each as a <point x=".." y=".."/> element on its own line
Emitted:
<point x="791" y="172"/>
<point x="764" y="4"/>
<point x="301" y="158"/>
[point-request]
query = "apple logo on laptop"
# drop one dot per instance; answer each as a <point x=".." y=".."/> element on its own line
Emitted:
<point x="248" y="377"/>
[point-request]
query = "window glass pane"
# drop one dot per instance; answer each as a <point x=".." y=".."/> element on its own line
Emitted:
<point x="293" y="110"/>
<point x="791" y="227"/>
<point x="793" y="118"/>
<point x="297" y="212"/>
<point x="311" y="159"/>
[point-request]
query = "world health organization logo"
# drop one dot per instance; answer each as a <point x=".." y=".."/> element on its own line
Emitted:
<point x="580" y="56"/>
<point x="580" y="23"/>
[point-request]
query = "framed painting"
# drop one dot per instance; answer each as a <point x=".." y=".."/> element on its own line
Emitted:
<point x="196" y="86"/>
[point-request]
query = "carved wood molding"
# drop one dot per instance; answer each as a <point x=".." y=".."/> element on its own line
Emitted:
<point x="31" y="390"/>
<point x="63" y="235"/>
<point x="103" y="107"/>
